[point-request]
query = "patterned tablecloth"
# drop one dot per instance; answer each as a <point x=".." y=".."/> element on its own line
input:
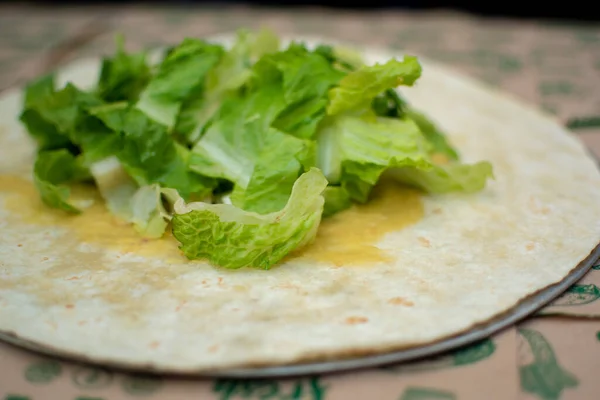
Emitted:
<point x="554" y="355"/>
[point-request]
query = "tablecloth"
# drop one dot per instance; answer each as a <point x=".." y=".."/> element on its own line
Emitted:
<point x="554" y="354"/>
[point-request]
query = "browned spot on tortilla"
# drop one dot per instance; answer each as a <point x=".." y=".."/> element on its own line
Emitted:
<point x="235" y="309"/>
<point x="399" y="301"/>
<point x="19" y="245"/>
<point x="350" y="237"/>
<point x="220" y="281"/>
<point x="154" y="345"/>
<point x="69" y="306"/>
<point x="356" y="320"/>
<point x="213" y="348"/>
<point x="181" y="304"/>
<point x="44" y="258"/>
<point x="81" y="323"/>
<point x="424" y="241"/>
<point x="538" y="208"/>
<point x="437" y="210"/>
<point x="287" y="285"/>
<point x="73" y="278"/>
<point x="530" y="246"/>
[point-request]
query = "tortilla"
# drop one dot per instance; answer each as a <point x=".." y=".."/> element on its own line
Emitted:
<point x="89" y="287"/>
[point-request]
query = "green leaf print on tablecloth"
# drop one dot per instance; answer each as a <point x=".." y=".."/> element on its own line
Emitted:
<point x="141" y="385"/>
<point x="577" y="295"/>
<point x="305" y="389"/>
<point x="44" y="371"/>
<point x="468" y="355"/>
<point x="584" y="123"/>
<point x="91" y="378"/>
<point x="426" y="394"/>
<point x="539" y="370"/>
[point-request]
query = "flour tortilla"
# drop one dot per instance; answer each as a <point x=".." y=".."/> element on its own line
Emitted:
<point x="483" y="253"/>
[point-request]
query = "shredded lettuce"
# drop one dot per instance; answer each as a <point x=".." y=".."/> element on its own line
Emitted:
<point x="123" y="76"/>
<point x="239" y="151"/>
<point x="357" y="89"/>
<point x="52" y="171"/>
<point x="233" y="238"/>
<point x="181" y="73"/>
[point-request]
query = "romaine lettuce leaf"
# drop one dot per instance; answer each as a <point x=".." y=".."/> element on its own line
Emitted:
<point x="51" y="116"/>
<point x="115" y="186"/>
<point x="231" y="72"/>
<point x="390" y="104"/>
<point x="149" y="154"/>
<point x="446" y="178"/>
<point x="336" y="199"/>
<point x="148" y="214"/>
<point x="353" y="152"/>
<point x="53" y="170"/>
<point x="178" y="75"/>
<point x="141" y="206"/>
<point x="123" y="76"/>
<point x="230" y="237"/>
<point x="306" y="77"/>
<point x="47" y="136"/>
<point x="358" y="89"/>
<point x="437" y="139"/>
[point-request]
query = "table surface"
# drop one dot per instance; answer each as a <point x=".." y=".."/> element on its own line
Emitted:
<point x="553" y="355"/>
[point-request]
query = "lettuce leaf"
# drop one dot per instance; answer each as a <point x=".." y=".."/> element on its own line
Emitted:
<point x="358" y="89"/>
<point x="242" y="147"/>
<point x="306" y="78"/>
<point x="45" y="133"/>
<point x="149" y="154"/>
<point x="148" y="214"/>
<point x="115" y="186"/>
<point x="437" y="139"/>
<point x="336" y="199"/>
<point x="233" y="238"/>
<point x="123" y="76"/>
<point x="231" y="72"/>
<point x="141" y="206"/>
<point x="446" y="178"/>
<point x="53" y="170"/>
<point x="179" y="74"/>
<point x="353" y="152"/>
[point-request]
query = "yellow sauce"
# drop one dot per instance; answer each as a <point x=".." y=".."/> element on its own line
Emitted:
<point x="347" y="238"/>
<point x="350" y="237"/>
<point x="94" y="225"/>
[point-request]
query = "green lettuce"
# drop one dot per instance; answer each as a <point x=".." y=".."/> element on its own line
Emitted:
<point x="231" y="72"/>
<point x="183" y="70"/>
<point x="233" y="238"/>
<point x="354" y="151"/>
<point x="241" y="147"/>
<point x="123" y="76"/>
<point x="358" y="89"/>
<point x="52" y="172"/>
<point x="115" y="186"/>
<point x="306" y="79"/>
<point x="437" y="139"/>
<point x="148" y="153"/>
<point x="45" y="133"/>
<point x="240" y="151"/>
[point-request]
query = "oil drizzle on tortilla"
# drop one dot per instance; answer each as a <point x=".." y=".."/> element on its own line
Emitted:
<point x="94" y="225"/>
<point x="347" y="238"/>
<point x="350" y="237"/>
